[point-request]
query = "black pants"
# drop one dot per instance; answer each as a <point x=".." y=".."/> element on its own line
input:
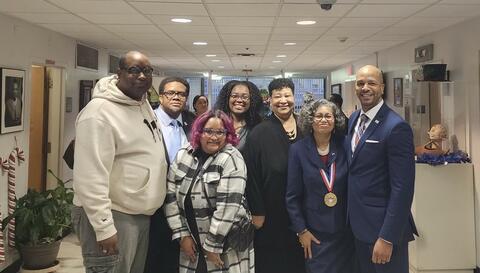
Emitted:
<point x="163" y="253"/>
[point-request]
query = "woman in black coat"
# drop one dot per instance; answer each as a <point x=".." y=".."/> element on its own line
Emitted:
<point x="266" y="154"/>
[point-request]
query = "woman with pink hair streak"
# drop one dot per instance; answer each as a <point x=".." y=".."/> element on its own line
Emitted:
<point x="206" y="185"/>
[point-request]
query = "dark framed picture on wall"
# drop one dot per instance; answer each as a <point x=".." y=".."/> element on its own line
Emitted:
<point x="398" y="92"/>
<point x="86" y="87"/>
<point x="13" y="98"/>
<point x="336" y="88"/>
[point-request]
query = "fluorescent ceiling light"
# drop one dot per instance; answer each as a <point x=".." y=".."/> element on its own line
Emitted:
<point x="276" y="61"/>
<point x="281" y="56"/>
<point x="290" y="44"/>
<point x="200" y="43"/>
<point x="215" y="61"/>
<point x="210" y="55"/>
<point x="181" y="20"/>
<point x="221" y="66"/>
<point x="306" y="22"/>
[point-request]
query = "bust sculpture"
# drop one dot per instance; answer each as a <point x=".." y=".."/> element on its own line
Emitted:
<point x="436" y="135"/>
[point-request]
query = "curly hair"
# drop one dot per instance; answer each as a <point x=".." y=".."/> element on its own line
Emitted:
<point x="252" y="115"/>
<point x="199" y="124"/>
<point x="308" y="112"/>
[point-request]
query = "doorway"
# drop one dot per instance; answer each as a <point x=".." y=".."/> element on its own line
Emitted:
<point x="46" y="126"/>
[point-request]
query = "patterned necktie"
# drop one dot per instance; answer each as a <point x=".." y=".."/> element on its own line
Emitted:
<point x="361" y="129"/>
<point x="175" y="140"/>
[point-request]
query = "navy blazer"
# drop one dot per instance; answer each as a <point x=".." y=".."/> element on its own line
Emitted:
<point x="381" y="179"/>
<point x="306" y="190"/>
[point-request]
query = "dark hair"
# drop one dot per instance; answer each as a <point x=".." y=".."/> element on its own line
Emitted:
<point x="252" y="116"/>
<point x="278" y="84"/>
<point x="195" y="99"/>
<point x="199" y="124"/>
<point x="173" y="79"/>
<point x="337" y="99"/>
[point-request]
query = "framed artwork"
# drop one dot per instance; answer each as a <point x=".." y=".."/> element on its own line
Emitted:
<point x="398" y="92"/>
<point x="13" y="98"/>
<point x="86" y="87"/>
<point x="336" y="88"/>
<point x="424" y="53"/>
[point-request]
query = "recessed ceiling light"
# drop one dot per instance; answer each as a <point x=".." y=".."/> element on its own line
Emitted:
<point x="306" y="22"/>
<point x="290" y="44"/>
<point x="281" y="56"/>
<point x="181" y="20"/>
<point x="210" y="55"/>
<point x="221" y="66"/>
<point x="200" y="43"/>
<point x="215" y="61"/>
<point x="276" y="61"/>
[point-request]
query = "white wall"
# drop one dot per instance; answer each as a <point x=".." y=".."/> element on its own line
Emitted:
<point x="459" y="47"/>
<point x="23" y="44"/>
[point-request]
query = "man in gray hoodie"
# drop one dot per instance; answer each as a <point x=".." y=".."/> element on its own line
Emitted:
<point x="120" y="170"/>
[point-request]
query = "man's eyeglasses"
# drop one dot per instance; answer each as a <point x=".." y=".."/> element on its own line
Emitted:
<point x="242" y="97"/>
<point x="170" y="94"/>
<point x="212" y="132"/>
<point x="328" y="117"/>
<point x="136" y="70"/>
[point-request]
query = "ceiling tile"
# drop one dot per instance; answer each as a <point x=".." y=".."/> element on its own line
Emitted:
<point x="309" y="10"/>
<point x="237" y="9"/>
<point x="351" y="32"/>
<point x="104" y="7"/>
<point x="287" y="21"/>
<point x="8" y="6"/>
<point x="244" y="21"/>
<point x="300" y="31"/>
<point x="398" y="1"/>
<point x="434" y="23"/>
<point x="174" y="9"/>
<point x="385" y="10"/>
<point x="74" y="28"/>
<point x="49" y="18"/>
<point x="457" y="2"/>
<point x="169" y="1"/>
<point x="179" y="29"/>
<point x="242" y="1"/>
<point x="131" y="19"/>
<point x="235" y="39"/>
<point x="293" y="37"/>
<point x="366" y="22"/>
<point x="163" y="20"/>
<point x="243" y="30"/>
<point x="132" y="28"/>
<point x="441" y="11"/>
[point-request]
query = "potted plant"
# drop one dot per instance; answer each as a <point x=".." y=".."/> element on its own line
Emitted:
<point x="42" y="219"/>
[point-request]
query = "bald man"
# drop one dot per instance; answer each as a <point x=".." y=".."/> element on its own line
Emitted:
<point x="120" y="170"/>
<point x="381" y="179"/>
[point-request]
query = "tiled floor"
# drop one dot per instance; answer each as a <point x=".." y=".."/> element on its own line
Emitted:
<point x="70" y="256"/>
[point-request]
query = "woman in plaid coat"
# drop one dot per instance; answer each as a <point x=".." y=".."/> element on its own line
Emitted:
<point x="209" y="167"/>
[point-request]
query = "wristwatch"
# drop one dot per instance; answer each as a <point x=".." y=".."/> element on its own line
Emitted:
<point x="302" y="232"/>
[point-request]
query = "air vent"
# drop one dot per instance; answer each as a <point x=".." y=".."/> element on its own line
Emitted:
<point x="246" y="54"/>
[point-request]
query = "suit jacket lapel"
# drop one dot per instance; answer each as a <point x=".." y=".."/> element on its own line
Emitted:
<point x="351" y="130"/>
<point x="377" y="120"/>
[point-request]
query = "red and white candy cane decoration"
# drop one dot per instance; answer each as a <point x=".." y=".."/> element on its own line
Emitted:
<point x="16" y="153"/>
<point x="2" y="247"/>
<point x="4" y="166"/>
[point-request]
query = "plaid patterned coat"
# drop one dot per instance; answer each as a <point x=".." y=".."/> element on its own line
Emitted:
<point x="224" y="176"/>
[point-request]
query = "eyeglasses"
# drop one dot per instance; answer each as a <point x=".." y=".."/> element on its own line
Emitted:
<point x="212" y="132"/>
<point x="171" y="94"/>
<point x="328" y="117"/>
<point x="242" y="97"/>
<point x="136" y="70"/>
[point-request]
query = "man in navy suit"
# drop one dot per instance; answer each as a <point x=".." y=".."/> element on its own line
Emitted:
<point x="381" y="179"/>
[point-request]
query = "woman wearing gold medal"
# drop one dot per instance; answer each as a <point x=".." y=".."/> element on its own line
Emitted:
<point x="317" y="190"/>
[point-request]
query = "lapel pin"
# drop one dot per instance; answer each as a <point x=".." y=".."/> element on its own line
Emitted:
<point x="377" y="121"/>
